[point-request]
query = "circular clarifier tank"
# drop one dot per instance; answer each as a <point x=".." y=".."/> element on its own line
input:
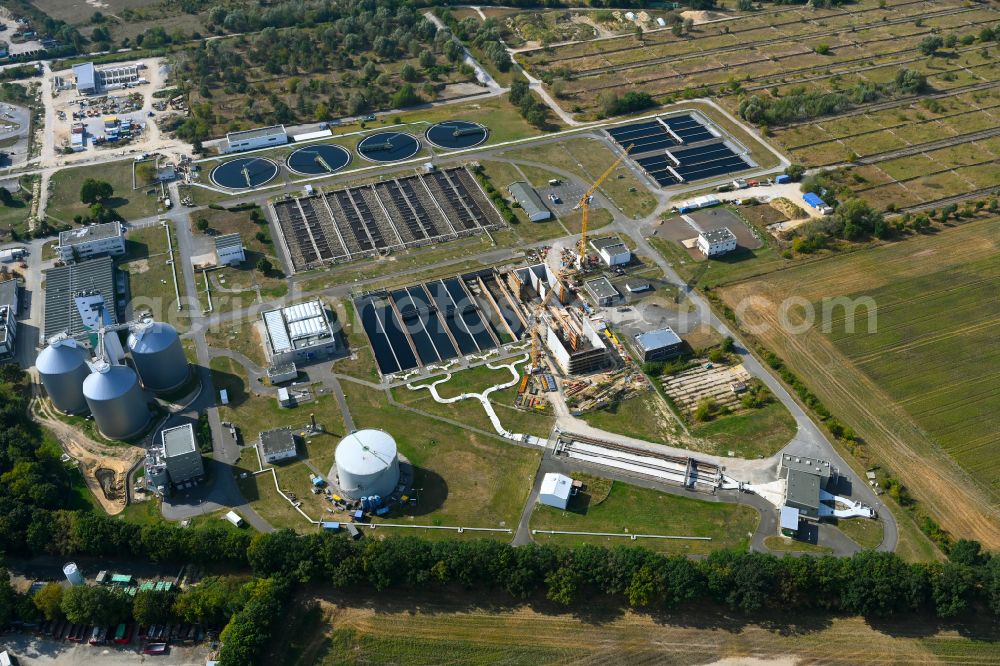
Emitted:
<point x="318" y="160"/>
<point x="388" y="147"/>
<point x="456" y="134"/>
<point x="244" y="173"/>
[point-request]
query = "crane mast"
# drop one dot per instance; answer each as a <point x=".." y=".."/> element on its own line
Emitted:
<point x="585" y="206"/>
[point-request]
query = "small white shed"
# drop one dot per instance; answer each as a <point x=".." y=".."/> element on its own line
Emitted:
<point x="555" y="490"/>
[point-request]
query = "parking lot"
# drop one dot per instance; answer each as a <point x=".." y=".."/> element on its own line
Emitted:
<point x="31" y="650"/>
<point x="14" y="125"/>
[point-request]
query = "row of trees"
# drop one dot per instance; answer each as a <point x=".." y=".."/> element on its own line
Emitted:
<point x="530" y="107"/>
<point x="211" y="603"/>
<point x="869" y="584"/>
<point x="804" y="104"/>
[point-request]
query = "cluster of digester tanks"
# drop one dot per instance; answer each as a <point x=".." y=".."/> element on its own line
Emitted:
<point x="114" y="394"/>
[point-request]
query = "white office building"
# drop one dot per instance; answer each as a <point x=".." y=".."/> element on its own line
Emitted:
<point x="261" y="137"/>
<point x="716" y="242"/>
<point x="229" y="249"/>
<point x="91" y="241"/>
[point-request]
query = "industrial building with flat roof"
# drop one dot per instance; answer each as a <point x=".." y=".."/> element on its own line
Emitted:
<point x="716" y="241"/>
<point x="64" y="283"/>
<point x="603" y="292"/>
<point x="277" y="444"/>
<point x="8" y="332"/>
<point x="613" y="251"/>
<point x="261" y="137"/>
<point x="299" y="333"/>
<point x="530" y="202"/>
<point x="805" y="478"/>
<point x="91" y="241"/>
<point x="176" y="461"/>
<point x="9" y="291"/>
<point x="658" y="345"/>
<point x="229" y="249"/>
<point x="91" y="81"/>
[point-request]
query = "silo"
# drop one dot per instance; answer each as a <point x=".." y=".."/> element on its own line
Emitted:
<point x="367" y="464"/>
<point x="158" y="355"/>
<point x="116" y="400"/>
<point x="62" y="367"/>
<point x="72" y="573"/>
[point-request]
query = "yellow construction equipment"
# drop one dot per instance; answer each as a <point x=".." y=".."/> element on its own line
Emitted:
<point x="585" y="205"/>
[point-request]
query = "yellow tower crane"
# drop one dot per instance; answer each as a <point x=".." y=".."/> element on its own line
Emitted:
<point x="585" y="205"/>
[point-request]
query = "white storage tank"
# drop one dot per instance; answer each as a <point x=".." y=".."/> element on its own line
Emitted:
<point x="116" y="400"/>
<point x="72" y="573"/>
<point x="367" y="464"/>
<point x="158" y="355"/>
<point x="62" y="367"/>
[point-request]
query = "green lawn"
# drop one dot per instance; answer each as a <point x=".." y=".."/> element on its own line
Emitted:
<point x="253" y="413"/>
<point x="866" y="533"/>
<point x="738" y="265"/>
<point x="587" y="159"/>
<point x="64" y="197"/>
<point x="240" y="336"/>
<point x="476" y="380"/>
<point x="750" y="433"/>
<point x="643" y="416"/>
<point x="631" y="509"/>
<point x="780" y="544"/>
<point x="461" y="477"/>
<point x="151" y="277"/>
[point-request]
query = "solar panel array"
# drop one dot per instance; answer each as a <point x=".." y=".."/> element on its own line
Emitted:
<point x="677" y="149"/>
<point x="391" y="214"/>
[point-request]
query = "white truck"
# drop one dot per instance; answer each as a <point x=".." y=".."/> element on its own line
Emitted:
<point x="235" y="519"/>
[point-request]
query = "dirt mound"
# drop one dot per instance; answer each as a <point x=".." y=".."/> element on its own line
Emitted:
<point x="105" y="468"/>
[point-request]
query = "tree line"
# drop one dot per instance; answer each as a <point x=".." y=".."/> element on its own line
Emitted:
<point x="802" y="104"/>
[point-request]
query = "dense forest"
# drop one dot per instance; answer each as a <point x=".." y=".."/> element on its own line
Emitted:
<point x="364" y="57"/>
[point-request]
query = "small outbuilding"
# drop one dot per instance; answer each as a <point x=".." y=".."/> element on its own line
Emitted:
<point x="613" y="251"/>
<point x="555" y="490"/>
<point x="789" y="522"/>
<point x="603" y="292"/>
<point x="277" y="444"/>
<point x="229" y="249"/>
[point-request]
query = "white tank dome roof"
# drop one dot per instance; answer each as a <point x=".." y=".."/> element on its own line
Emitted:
<point x="365" y="452"/>
<point x="60" y="357"/>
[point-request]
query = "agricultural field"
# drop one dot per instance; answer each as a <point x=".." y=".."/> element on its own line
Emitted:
<point x="620" y="508"/>
<point x="864" y="86"/>
<point x="915" y="379"/>
<point x="754" y="51"/>
<point x="418" y="628"/>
